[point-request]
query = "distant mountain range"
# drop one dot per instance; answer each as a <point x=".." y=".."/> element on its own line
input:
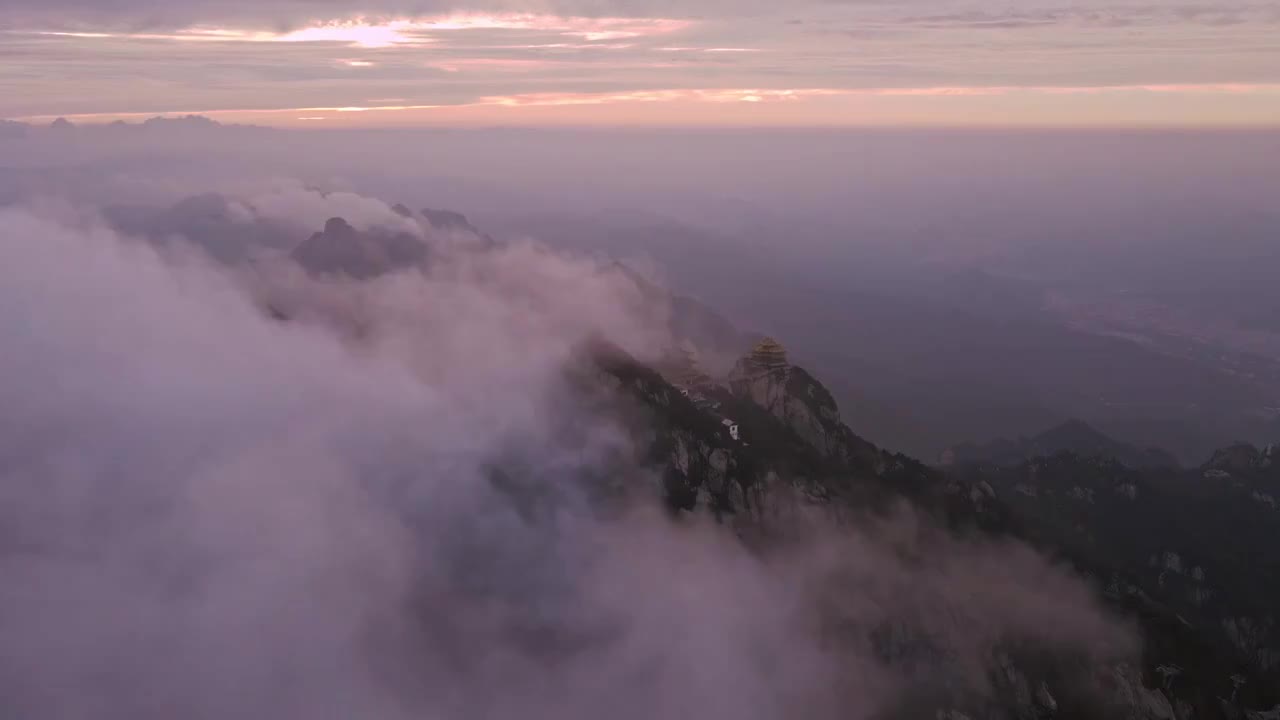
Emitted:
<point x="11" y="129"/>
<point x="1074" y="436"/>
<point x="191" y="123"/>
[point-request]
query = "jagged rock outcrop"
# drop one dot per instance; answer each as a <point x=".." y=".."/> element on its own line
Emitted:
<point x="702" y="465"/>
<point x="791" y="394"/>
<point x="705" y="470"/>
<point x="455" y="223"/>
<point x="448" y="220"/>
<point x="1244" y="459"/>
<point x="791" y="429"/>
<point x="780" y="448"/>
<point x="341" y="250"/>
<point x="1196" y="560"/>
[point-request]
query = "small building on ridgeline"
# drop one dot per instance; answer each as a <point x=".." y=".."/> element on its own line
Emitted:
<point x="735" y="431"/>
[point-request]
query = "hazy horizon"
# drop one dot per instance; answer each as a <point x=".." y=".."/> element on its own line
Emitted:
<point x="380" y="63"/>
<point x="951" y="285"/>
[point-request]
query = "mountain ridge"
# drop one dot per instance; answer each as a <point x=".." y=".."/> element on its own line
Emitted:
<point x="1073" y="435"/>
<point x="764" y="440"/>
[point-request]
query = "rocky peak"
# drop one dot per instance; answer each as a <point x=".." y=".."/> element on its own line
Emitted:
<point x="340" y="249"/>
<point x="1239" y="458"/>
<point x="191" y="122"/>
<point x="339" y="227"/>
<point x="455" y="223"/>
<point x="766" y="377"/>
<point x="448" y="220"/>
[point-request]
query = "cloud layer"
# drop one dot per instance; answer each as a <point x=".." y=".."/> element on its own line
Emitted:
<point x="207" y="513"/>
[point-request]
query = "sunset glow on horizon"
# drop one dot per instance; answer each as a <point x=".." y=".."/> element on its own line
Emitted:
<point x="962" y="63"/>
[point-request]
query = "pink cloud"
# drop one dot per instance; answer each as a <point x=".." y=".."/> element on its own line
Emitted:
<point x="591" y="29"/>
<point x="1213" y="88"/>
<point x="492" y="64"/>
<point x="377" y="33"/>
<point x="565" y="46"/>
<point x="707" y="49"/>
<point x="709" y="96"/>
<point x="705" y="95"/>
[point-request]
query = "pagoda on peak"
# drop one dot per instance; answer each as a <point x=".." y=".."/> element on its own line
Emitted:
<point x="769" y="354"/>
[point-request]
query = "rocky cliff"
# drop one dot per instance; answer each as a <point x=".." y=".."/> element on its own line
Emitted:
<point x="1191" y="553"/>
<point x="805" y="406"/>
<point x="795" y="450"/>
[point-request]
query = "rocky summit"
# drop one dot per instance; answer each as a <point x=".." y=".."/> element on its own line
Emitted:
<point x="340" y="249"/>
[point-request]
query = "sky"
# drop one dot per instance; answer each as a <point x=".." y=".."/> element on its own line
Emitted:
<point x="645" y="62"/>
